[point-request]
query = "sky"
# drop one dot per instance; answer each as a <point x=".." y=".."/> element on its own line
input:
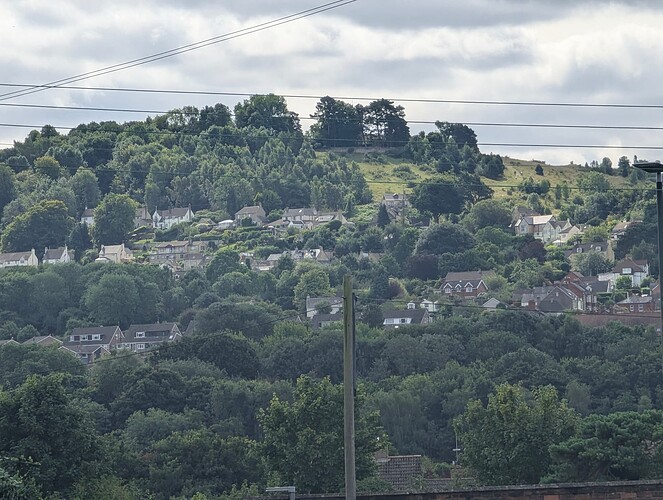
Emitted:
<point x="517" y="51"/>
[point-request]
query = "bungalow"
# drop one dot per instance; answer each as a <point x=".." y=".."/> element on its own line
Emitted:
<point x="404" y="317"/>
<point x="19" y="259"/>
<point x="254" y="212"/>
<point x="165" y="219"/>
<point x="560" y="299"/>
<point x="140" y="338"/>
<point x="637" y="304"/>
<point x="465" y="284"/>
<point x="60" y="255"/>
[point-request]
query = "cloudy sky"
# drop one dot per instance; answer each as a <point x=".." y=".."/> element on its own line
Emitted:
<point x="562" y="51"/>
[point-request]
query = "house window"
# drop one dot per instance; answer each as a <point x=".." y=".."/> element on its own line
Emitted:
<point x="631" y="308"/>
<point x="140" y="347"/>
<point x="403" y="320"/>
<point x="641" y="307"/>
<point x="469" y="289"/>
<point x="447" y="290"/>
<point x="96" y="337"/>
<point x="626" y="270"/>
<point x="140" y="335"/>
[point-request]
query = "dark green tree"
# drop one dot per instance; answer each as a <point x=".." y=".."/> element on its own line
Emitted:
<point x="46" y="224"/>
<point x="7" y="186"/>
<point x="444" y="238"/>
<point x="385" y="124"/>
<point x="303" y="441"/>
<point x="507" y="441"/>
<point x="269" y="111"/>
<point x="383" y="216"/>
<point x="441" y="195"/>
<point x="113" y="220"/>
<point x="338" y="123"/>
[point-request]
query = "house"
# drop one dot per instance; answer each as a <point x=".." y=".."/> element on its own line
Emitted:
<point x="568" y="233"/>
<point x="43" y="341"/>
<point x="8" y="342"/>
<point x="91" y="343"/>
<point x="254" y="212"/>
<point x="194" y="261"/>
<point x="404" y="317"/>
<point x="636" y="304"/>
<point x="140" y="338"/>
<point x="465" y="284"/>
<point x="142" y="217"/>
<point x="319" y="321"/>
<point x="60" y="255"/>
<point x="621" y="227"/>
<point x="302" y="215"/>
<point x="88" y="354"/>
<point x="170" y="250"/>
<point x="115" y="254"/>
<point x="560" y="299"/>
<point x="395" y="201"/>
<point x="165" y="219"/>
<point x="313" y="303"/>
<point x="637" y="270"/>
<point x="431" y="307"/>
<point x="19" y="259"/>
<point x="603" y="248"/>
<point x="87" y="217"/>
<point x="532" y="224"/>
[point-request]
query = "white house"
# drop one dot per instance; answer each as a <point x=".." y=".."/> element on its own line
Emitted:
<point x="60" y="255"/>
<point x="19" y="259"/>
<point x="165" y="219"/>
<point x="88" y="216"/>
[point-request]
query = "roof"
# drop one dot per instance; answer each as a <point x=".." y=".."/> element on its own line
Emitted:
<point x="416" y="315"/>
<point x="42" y="338"/>
<point x="95" y="330"/>
<point x="394" y="197"/>
<point x="14" y="256"/>
<point x="53" y="253"/>
<point x="291" y="212"/>
<point x="88" y="212"/>
<point x="252" y="209"/>
<point x="313" y="302"/>
<point x="174" y="212"/>
<point x="318" y="319"/>
<point x="110" y="249"/>
<point x="167" y="244"/>
<point x="637" y="299"/>
<point x="82" y="348"/>
<point x="152" y="327"/>
<point x="634" y="265"/>
<point x="7" y="341"/>
<point x="492" y="303"/>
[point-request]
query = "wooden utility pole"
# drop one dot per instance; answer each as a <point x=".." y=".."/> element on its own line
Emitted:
<point x="348" y="388"/>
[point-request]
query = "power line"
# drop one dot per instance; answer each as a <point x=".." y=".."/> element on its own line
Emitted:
<point x="353" y="141"/>
<point x="180" y="50"/>
<point x="342" y="97"/>
<point x="338" y="120"/>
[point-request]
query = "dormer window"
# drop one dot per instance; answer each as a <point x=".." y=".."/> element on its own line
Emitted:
<point x="627" y="270"/>
<point x="96" y="337"/>
<point x="140" y="335"/>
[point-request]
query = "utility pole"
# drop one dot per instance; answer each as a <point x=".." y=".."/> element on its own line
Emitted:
<point x="348" y="388"/>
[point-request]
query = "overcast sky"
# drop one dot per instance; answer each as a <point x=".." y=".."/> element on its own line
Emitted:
<point x="560" y="51"/>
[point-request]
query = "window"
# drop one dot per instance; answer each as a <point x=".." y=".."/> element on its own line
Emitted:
<point x="403" y="320"/>
<point x="641" y="307"/>
<point x="140" y="347"/>
<point x="140" y="335"/>
<point x="469" y="289"/>
<point x="626" y="270"/>
<point x="631" y="308"/>
<point x="447" y="290"/>
<point x="96" y="337"/>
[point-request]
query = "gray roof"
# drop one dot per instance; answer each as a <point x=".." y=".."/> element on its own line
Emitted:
<point x="416" y="315"/>
<point x="154" y="331"/>
<point x="291" y="212"/>
<point x="318" y="319"/>
<point x="53" y="253"/>
<point x="173" y="212"/>
<point x="252" y="209"/>
<point x="95" y="330"/>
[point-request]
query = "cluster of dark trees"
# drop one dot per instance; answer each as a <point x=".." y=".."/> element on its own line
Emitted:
<point x="223" y="413"/>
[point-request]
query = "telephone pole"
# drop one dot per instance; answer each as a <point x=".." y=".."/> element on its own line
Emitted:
<point x="348" y="388"/>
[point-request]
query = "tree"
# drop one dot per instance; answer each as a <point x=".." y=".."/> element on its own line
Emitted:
<point x="303" y="441"/>
<point x="507" y="441"/>
<point x="224" y="262"/>
<point x="269" y="111"/>
<point x="86" y="187"/>
<point x="383" y="218"/>
<point x="487" y="213"/>
<point x="113" y="300"/>
<point x="46" y="224"/>
<point x="338" y="123"/>
<point x="113" y="219"/>
<point x="41" y="421"/>
<point x="438" y="196"/>
<point x="591" y="263"/>
<point x="7" y="186"/>
<point x="385" y="124"/>
<point x="48" y="166"/>
<point x="444" y="238"/>
<point x="623" y="166"/>
<point x="461" y="134"/>
<point x="617" y="447"/>
<point x="314" y="283"/>
<point x="79" y="239"/>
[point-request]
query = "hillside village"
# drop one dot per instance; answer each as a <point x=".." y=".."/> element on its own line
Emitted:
<point x="184" y="274"/>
